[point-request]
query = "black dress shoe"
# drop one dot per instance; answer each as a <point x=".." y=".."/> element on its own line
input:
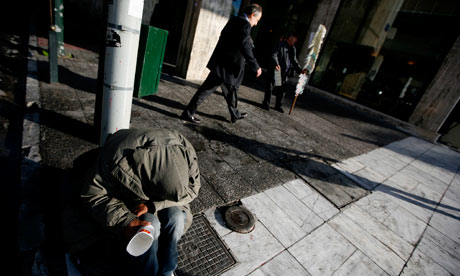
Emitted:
<point x="266" y="107"/>
<point x="242" y="116"/>
<point x="191" y="119"/>
<point x="279" y="109"/>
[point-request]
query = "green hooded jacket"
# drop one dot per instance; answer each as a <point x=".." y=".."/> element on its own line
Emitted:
<point x="157" y="167"/>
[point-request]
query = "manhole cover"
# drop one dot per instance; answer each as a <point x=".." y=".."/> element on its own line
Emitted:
<point x="202" y="252"/>
<point x="239" y="219"/>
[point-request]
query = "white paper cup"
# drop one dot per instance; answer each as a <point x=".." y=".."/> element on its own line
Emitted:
<point x="141" y="241"/>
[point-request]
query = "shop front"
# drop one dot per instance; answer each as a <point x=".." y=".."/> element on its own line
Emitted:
<point x="385" y="54"/>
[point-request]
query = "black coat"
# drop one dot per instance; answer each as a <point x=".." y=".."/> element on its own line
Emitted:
<point x="284" y="56"/>
<point x="232" y="50"/>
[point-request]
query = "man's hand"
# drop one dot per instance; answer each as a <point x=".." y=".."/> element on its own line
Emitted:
<point x="277" y="68"/>
<point x="259" y="72"/>
<point x="140" y="209"/>
<point x="132" y="228"/>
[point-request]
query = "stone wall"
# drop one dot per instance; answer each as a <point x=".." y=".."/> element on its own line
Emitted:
<point x="202" y="27"/>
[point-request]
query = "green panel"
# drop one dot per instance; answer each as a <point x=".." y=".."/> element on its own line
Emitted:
<point x="152" y="44"/>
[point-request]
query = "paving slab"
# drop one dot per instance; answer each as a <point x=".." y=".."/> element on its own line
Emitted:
<point x="422" y="176"/>
<point x="380" y="231"/>
<point x="252" y="250"/>
<point x="378" y="205"/>
<point x="412" y="147"/>
<point x="441" y="250"/>
<point x="350" y="165"/>
<point x="315" y="201"/>
<point x="359" y="264"/>
<point x="323" y="251"/>
<point x="283" y="264"/>
<point x="295" y="209"/>
<point x="444" y="174"/>
<point x="420" y="264"/>
<point x="368" y="178"/>
<point x="389" y="261"/>
<point x="217" y="221"/>
<point x="339" y="189"/>
<point x="421" y="208"/>
<point x="275" y="219"/>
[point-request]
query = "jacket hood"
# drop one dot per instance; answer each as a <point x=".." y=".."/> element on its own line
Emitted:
<point x="152" y="170"/>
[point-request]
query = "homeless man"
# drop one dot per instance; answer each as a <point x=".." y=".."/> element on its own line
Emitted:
<point x="140" y="177"/>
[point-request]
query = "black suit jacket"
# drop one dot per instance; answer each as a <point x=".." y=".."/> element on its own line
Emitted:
<point x="232" y="50"/>
<point x="285" y="56"/>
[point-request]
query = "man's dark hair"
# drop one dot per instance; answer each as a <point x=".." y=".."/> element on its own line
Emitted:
<point x="253" y="9"/>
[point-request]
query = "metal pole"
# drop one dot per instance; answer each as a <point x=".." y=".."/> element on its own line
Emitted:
<point x="122" y="43"/>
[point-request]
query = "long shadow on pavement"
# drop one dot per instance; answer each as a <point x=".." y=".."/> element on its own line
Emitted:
<point x="53" y="120"/>
<point x="315" y="170"/>
<point x="68" y="77"/>
<point x="76" y="80"/>
<point x="172" y="104"/>
<point x="67" y="125"/>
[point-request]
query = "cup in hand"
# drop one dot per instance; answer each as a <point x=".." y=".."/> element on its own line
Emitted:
<point x="141" y="241"/>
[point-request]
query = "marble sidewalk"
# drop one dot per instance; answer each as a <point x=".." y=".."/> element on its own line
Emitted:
<point x="409" y="223"/>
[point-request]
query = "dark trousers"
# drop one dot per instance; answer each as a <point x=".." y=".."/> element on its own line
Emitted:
<point x="207" y="88"/>
<point x="279" y="91"/>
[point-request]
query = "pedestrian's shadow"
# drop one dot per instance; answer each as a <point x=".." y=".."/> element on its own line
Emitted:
<point x="311" y="169"/>
<point x="174" y="105"/>
<point x="176" y="80"/>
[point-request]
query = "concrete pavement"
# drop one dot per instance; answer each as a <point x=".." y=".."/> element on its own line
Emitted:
<point x="335" y="188"/>
<point x="408" y="225"/>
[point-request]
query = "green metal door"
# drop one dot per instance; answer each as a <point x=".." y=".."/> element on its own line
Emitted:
<point x="152" y="44"/>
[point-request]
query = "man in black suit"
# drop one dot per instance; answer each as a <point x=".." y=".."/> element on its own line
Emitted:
<point x="227" y="64"/>
<point x="284" y="61"/>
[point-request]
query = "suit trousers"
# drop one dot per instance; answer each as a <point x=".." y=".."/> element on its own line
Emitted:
<point x="207" y="88"/>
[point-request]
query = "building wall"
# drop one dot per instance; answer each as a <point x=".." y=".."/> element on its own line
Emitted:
<point x="369" y="25"/>
<point x="324" y="14"/>
<point x="213" y="16"/>
<point x="442" y="95"/>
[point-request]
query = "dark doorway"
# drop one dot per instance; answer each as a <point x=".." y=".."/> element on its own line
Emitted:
<point x="169" y="15"/>
<point x="278" y="19"/>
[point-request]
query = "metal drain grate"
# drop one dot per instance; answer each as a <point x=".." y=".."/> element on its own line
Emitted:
<point x="202" y="252"/>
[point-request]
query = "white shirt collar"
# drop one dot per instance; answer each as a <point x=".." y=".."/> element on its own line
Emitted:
<point x="246" y="16"/>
